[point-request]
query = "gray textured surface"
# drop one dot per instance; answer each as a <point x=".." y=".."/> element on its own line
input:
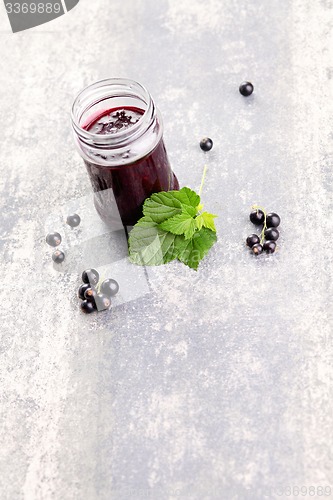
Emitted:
<point x="216" y="384"/>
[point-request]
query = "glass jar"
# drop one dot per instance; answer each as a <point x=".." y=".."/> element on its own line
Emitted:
<point x="119" y="134"/>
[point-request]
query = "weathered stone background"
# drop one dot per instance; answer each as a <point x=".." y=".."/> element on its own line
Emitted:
<point x="215" y="384"/>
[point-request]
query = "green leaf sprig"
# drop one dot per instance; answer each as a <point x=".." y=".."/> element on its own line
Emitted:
<point x="173" y="227"/>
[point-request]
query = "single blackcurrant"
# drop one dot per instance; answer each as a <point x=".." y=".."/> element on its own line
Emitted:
<point x="251" y="240"/>
<point x="90" y="293"/>
<point x="102" y="301"/>
<point x="257" y="249"/>
<point x="257" y="217"/>
<point x="58" y="256"/>
<point x="206" y="144"/>
<point x="82" y="289"/>
<point x="73" y="220"/>
<point x="246" y="88"/>
<point x="90" y="276"/>
<point x="110" y="287"/>
<point x="272" y="234"/>
<point x="273" y="220"/>
<point x="270" y="246"/>
<point x="53" y="239"/>
<point x="87" y="307"/>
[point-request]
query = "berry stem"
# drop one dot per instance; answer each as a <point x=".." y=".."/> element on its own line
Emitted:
<point x="203" y="180"/>
<point x="99" y="284"/>
<point x="262" y="234"/>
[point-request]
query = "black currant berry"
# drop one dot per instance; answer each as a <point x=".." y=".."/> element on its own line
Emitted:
<point x="272" y="220"/>
<point x="87" y="307"/>
<point x="257" y="217"/>
<point x="109" y="287"/>
<point x="58" y="256"/>
<point x="251" y="240"/>
<point x="257" y="249"/>
<point x="73" y="220"/>
<point x="82" y="289"/>
<point x="102" y="302"/>
<point x="246" y="88"/>
<point x="206" y="144"/>
<point x="270" y="246"/>
<point x="53" y="239"/>
<point x="272" y="234"/>
<point x="90" y="276"/>
<point x="90" y="293"/>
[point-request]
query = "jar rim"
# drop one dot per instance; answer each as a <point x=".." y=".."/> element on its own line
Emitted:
<point x="127" y="84"/>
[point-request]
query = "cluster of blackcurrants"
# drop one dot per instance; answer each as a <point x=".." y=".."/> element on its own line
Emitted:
<point x="246" y="89"/>
<point x="96" y="296"/>
<point x="269" y="234"/>
<point x="54" y="239"/>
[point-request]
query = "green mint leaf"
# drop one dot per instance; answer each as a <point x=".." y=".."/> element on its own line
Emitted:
<point x="180" y="224"/>
<point x="206" y="220"/>
<point x="149" y="245"/>
<point x="191" y="251"/>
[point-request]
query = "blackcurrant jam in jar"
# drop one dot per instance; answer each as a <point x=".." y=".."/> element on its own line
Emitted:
<point x="119" y="134"/>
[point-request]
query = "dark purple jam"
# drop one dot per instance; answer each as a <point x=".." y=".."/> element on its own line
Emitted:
<point x="131" y="183"/>
<point x="114" y="120"/>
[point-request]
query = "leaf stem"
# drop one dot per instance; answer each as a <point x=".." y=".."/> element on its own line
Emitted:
<point x="262" y="234"/>
<point x="203" y="180"/>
